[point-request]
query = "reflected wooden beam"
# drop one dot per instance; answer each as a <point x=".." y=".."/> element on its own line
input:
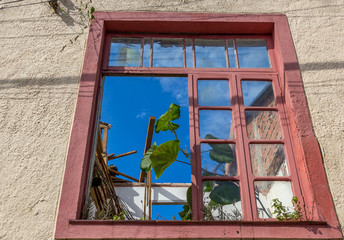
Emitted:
<point x="122" y="174"/>
<point x="111" y="157"/>
<point x="148" y="144"/>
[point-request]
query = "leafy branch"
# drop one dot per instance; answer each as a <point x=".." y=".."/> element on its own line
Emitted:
<point x="284" y="213"/>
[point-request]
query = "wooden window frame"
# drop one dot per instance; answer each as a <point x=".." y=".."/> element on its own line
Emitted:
<point x="322" y="221"/>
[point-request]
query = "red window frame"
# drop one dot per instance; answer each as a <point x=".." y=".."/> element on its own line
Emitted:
<point x="322" y="221"/>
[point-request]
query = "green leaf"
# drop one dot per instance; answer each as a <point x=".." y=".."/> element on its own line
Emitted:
<point x="164" y="122"/>
<point x="208" y="186"/>
<point x="221" y="158"/>
<point x="92" y="10"/>
<point x="226" y="193"/>
<point x="189" y="196"/>
<point x="164" y="155"/>
<point x="146" y="162"/>
<point x="221" y="153"/>
<point x="186" y="214"/>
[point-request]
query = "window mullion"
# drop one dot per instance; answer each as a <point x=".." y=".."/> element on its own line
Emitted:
<point x="246" y="178"/>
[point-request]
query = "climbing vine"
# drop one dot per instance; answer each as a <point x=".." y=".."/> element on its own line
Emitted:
<point x="86" y="13"/>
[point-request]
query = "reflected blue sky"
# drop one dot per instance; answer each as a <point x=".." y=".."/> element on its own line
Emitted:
<point x="213" y="93"/>
<point x="252" y="53"/>
<point x="215" y="122"/>
<point x="209" y="53"/>
<point x="168" y="53"/>
<point x="251" y="90"/>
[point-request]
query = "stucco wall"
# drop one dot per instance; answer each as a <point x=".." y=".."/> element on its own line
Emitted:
<point x="41" y="59"/>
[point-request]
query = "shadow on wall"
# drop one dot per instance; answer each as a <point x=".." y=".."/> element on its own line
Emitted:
<point x="315" y="66"/>
<point x="26" y="88"/>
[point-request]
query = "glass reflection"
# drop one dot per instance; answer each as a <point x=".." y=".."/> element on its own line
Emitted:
<point x="263" y="125"/>
<point x="218" y="159"/>
<point x="189" y="53"/>
<point x="221" y="201"/>
<point x="252" y="53"/>
<point x="268" y="160"/>
<point x="231" y="54"/>
<point x="217" y="123"/>
<point x="146" y="52"/>
<point x="168" y="53"/>
<point x="125" y="52"/>
<point x="210" y="53"/>
<point x="213" y="93"/>
<point x="266" y="191"/>
<point x="258" y="93"/>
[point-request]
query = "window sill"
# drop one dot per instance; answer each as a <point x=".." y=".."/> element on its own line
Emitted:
<point x="138" y="229"/>
<point x="192" y="222"/>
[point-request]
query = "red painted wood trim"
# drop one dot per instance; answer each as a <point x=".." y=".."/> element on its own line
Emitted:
<point x="306" y="150"/>
<point x="80" y="146"/>
<point x="313" y="179"/>
<point x="199" y="230"/>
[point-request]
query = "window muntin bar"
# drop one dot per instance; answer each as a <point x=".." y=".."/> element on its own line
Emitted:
<point x="185" y="52"/>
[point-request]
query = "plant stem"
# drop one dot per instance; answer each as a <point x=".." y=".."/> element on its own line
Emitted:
<point x="175" y="134"/>
<point x="183" y="162"/>
<point x="185" y="154"/>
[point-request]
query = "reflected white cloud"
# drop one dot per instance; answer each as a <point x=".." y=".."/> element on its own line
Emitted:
<point x="178" y="87"/>
<point x="213" y="93"/>
<point x="168" y="53"/>
<point x="141" y="115"/>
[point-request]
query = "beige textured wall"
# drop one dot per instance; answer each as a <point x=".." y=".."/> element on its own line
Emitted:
<point x="41" y="59"/>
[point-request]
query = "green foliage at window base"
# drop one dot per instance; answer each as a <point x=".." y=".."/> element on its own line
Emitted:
<point x="120" y="216"/>
<point x="283" y="212"/>
<point x="186" y="214"/>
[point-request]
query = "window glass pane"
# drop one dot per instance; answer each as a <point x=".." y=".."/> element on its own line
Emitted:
<point x="218" y="159"/>
<point x="266" y="191"/>
<point x="268" y="160"/>
<point x="127" y="107"/>
<point x="221" y="200"/>
<point x="263" y="125"/>
<point x="125" y="52"/>
<point x="188" y="53"/>
<point x="168" y="52"/>
<point x="213" y="93"/>
<point x="210" y="53"/>
<point x="258" y="93"/>
<point x="231" y="54"/>
<point x="252" y="53"/>
<point x="146" y="52"/>
<point x="216" y="123"/>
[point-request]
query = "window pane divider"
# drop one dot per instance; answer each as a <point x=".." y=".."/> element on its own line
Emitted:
<point x="265" y="141"/>
<point x="272" y="178"/>
<point x="252" y="108"/>
<point x="221" y="178"/>
<point x="231" y="141"/>
<point x="215" y="108"/>
<point x="236" y="54"/>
